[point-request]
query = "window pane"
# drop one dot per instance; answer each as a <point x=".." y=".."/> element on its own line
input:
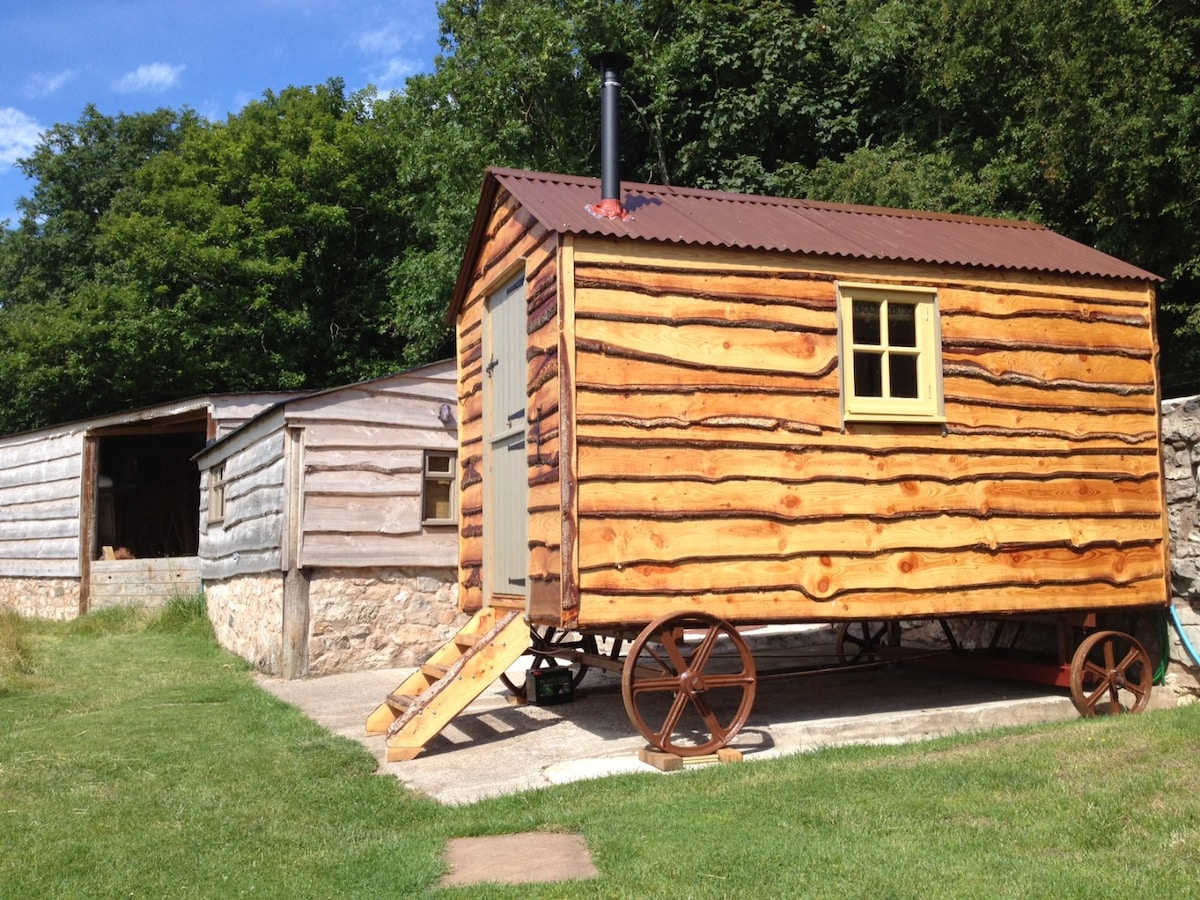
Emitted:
<point x="440" y="464"/>
<point x="437" y="500"/>
<point x="902" y="325"/>
<point x="903" y="372"/>
<point x="865" y="323"/>
<point x="868" y="374"/>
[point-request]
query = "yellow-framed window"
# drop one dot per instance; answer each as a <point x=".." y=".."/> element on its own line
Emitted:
<point x="216" y="493"/>
<point x="439" y="501"/>
<point x="890" y="359"/>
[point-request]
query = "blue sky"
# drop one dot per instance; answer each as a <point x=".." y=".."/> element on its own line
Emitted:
<point x="128" y="56"/>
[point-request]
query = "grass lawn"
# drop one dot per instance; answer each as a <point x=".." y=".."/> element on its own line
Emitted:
<point x="139" y="760"/>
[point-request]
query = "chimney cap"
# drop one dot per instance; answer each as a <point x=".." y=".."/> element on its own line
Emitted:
<point x="613" y="59"/>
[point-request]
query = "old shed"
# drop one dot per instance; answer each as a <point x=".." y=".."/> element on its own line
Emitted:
<point x="328" y="527"/>
<point x="782" y="410"/>
<point x="103" y="511"/>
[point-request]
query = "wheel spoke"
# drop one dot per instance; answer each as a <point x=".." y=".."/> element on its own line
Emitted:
<point x="715" y="727"/>
<point x="699" y="658"/>
<point x="672" y="642"/>
<point x="1130" y="659"/>
<point x="655" y="654"/>
<point x="656" y="685"/>
<point x="729" y="680"/>
<point x="674" y="714"/>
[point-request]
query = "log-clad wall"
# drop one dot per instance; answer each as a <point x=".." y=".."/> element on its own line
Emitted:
<point x="39" y="505"/>
<point x="515" y="243"/>
<point x="715" y="471"/>
<point x="248" y="539"/>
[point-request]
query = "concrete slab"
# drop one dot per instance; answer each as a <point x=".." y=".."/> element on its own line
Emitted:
<point x="517" y="859"/>
<point x="495" y="747"/>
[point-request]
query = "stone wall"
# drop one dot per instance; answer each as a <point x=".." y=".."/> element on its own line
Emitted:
<point x="358" y="618"/>
<point x="41" y="598"/>
<point x="1181" y="465"/>
<point x="376" y="618"/>
<point x="247" y="616"/>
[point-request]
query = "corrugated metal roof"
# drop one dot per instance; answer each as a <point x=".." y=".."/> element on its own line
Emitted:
<point x="745" y="221"/>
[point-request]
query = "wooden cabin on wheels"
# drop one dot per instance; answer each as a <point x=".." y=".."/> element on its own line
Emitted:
<point x="683" y="412"/>
<point x="715" y="410"/>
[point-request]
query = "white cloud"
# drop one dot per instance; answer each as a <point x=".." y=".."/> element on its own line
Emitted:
<point x="42" y="85"/>
<point x="153" y="78"/>
<point x="385" y="41"/>
<point x="18" y="135"/>
<point x="393" y="74"/>
<point x="393" y="51"/>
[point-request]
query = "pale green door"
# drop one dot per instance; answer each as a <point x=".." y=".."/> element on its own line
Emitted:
<point x="506" y="504"/>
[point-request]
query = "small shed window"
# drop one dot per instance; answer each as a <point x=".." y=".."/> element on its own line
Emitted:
<point x="216" y="493"/>
<point x="890" y="361"/>
<point x="438" y="506"/>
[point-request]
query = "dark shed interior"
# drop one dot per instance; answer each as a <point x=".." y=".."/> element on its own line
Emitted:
<point x="148" y="489"/>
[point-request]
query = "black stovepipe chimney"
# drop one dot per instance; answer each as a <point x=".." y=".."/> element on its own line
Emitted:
<point x="611" y="65"/>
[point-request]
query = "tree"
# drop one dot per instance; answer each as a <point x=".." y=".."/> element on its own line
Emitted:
<point x="254" y="255"/>
<point x="78" y="169"/>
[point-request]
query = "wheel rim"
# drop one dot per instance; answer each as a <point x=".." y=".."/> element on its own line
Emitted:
<point x="1111" y="673"/>
<point x="859" y="642"/>
<point x="550" y="646"/>
<point x="683" y="690"/>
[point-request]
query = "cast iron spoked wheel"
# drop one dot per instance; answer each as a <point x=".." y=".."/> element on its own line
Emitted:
<point x="546" y="644"/>
<point x="688" y="683"/>
<point x="1110" y="673"/>
<point x="860" y="642"/>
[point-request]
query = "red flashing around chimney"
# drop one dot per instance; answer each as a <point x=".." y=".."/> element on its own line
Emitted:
<point x="608" y="209"/>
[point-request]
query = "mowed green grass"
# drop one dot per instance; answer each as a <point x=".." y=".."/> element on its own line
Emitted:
<point x="139" y="760"/>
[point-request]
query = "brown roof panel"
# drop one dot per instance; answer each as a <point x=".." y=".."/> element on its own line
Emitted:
<point x="750" y="222"/>
<point x="746" y="221"/>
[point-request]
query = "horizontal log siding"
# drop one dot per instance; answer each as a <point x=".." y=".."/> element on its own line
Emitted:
<point x="715" y="472"/>
<point x="513" y="238"/>
<point x="247" y="541"/>
<point x="39" y="505"/>
<point x="543" y="444"/>
<point x="362" y="492"/>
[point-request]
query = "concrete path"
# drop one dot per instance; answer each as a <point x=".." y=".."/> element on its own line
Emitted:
<point x="495" y="747"/>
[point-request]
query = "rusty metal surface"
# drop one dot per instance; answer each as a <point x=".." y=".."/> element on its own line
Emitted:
<point x="744" y="221"/>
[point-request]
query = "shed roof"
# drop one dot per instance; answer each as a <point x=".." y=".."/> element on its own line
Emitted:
<point x="808" y="227"/>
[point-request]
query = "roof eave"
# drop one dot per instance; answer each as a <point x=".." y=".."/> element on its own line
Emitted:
<point x="475" y="241"/>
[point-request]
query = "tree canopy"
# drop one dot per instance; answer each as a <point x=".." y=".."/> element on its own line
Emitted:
<point x="313" y="238"/>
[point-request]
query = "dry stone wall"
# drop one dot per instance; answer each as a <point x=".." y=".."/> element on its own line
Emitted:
<point x="247" y="616"/>
<point x="1181" y="465"/>
<point x="376" y="618"/>
<point x="358" y="618"/>
<point x="41" y="598"/>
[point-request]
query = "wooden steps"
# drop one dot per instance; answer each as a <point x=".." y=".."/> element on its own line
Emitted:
<point x="449" y="680"/>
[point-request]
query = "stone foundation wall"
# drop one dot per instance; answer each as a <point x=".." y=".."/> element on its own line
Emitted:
<point x="247" y="616"/>
<point x="1181" y="465"/>
<point x="358" y="618"/>
<point x="377" y="618"/>
<point x="41" y="598"/>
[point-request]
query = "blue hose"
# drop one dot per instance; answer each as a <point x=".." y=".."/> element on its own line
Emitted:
<point x="1183" y="639"/>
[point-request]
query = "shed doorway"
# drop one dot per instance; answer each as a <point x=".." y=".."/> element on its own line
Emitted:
<point x="141" y="534"/>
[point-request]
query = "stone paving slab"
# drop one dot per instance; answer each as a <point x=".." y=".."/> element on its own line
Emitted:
<point x="517" y="859"/>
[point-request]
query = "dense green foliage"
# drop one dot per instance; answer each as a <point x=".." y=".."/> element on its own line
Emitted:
<point x="138" y="759"/>
<point x="313" y="238"/>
